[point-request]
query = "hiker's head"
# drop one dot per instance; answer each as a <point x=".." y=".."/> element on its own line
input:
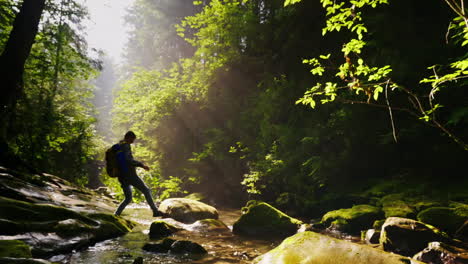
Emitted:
<point x="130" y="137"/>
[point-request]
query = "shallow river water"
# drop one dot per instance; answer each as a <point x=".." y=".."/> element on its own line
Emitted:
<point x="221" y="247"/>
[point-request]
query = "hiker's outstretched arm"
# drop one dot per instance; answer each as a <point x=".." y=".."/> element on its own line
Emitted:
<point x="129" y="157"/>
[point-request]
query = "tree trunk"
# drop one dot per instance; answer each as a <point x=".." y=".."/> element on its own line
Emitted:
<point x="12" y="62"/>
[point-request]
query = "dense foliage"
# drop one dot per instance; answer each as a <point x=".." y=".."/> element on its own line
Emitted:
<point x="52" y="128"/>
<point x="224" y="119"/>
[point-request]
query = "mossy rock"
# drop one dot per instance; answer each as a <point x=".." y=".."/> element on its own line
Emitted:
<point x="187" y="210"/>
<point x="187" y="247"/>
<point x="311" y="248"/>
<point x="15" y="210"/>
<point x="407" y="236"/>
<point x="72" y="227"/>
<point x="394" y="206"/>
<point x="446" y="218"/>
<point x="123" y="224"/>
<point x="261" y="219"/>
<point x="23" y="261"/>
<point x="352" y="220"/>
<point x="160" y="229"/>
<point x="14" y="249"/>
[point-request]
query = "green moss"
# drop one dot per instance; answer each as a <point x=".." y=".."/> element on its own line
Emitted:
<point x="445" y="218"/>
<point x="15" y="210"/>
<point x="14" y="249"/>
<point x="354" y="219"/>
<point x="309" y="248"/>
<point x="123" y="224"/>
<point x="260" y="218"/>
<point x="377" y="225"/>
<point x="394" y="206"/>
<point x="72" y="227"/>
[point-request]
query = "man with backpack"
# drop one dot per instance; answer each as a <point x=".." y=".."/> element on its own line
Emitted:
<point x="127" y="175"/>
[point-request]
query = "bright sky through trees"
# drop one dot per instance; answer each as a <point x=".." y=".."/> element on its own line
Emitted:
<point x="106" y="29"/>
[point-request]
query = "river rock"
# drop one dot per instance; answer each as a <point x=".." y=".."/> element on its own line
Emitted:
<point x="372" y="236"/>
<point x="160" y="229"/>
<point x="407" y="237"/>
<point x="208" y="225"/>
<point x="23" y="261"/>
<point x="445" y="218"/>
<point x="187" y="247"/>
<point x="187" y="210"/>
<point x="352" y="220"/>
<point x="175" y="247"/>
<point x="262" y="219"/>
<point x="311" y="248"/>
<point x="440" y="253"/>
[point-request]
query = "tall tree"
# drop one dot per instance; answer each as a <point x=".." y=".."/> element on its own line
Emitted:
<point x="13" y="58"/>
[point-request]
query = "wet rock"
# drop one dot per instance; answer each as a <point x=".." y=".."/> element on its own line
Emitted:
<point x="160" y="229"/>
<point x="440" y="253"/>
<point x="445" y="218"/>
<point x="262" y="219"/>
<point x="372" y="236"/>
<point x="138" y="260"/>
<point x="187" y="210"/>
<point x="8" y="227"/>
<point x="44" y="245"/>
<point x="71" y="227"/>
<point x="462" y="232"/>
<point x="208" y="225"/>
<point x="175" y="247"/>
<point x="156" y="248"/>
<point x="14" y="249"/>
<point x="407" y="237"/>
<point x="187" y="247"/>
<point x="311" y="248"/>
<point x="15" y="210"/>
<point x="352" y="220"/>
<point x="23" y="261"/>
<point x="394" y="206"/>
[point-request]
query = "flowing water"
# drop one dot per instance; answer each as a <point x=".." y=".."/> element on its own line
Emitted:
<point x="222" y="247"/>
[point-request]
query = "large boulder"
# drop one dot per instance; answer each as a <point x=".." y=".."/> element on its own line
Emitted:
<point x="187" y="210"/>
<point x="407" y="237"/>
<point x="311" y="248"/>
<point x="262" y="219"/>
<point x="352" y="220"/>
<point x="440" y="253"/>
<point x="445" y="218"/>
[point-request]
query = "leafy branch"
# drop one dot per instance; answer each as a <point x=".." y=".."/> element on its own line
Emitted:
<point x="371" y="81"/>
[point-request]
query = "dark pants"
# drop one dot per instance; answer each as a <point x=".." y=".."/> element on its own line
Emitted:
<point x="126" y="182"/>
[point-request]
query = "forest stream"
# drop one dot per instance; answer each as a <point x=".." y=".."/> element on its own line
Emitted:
<point x="221" y="247"/>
